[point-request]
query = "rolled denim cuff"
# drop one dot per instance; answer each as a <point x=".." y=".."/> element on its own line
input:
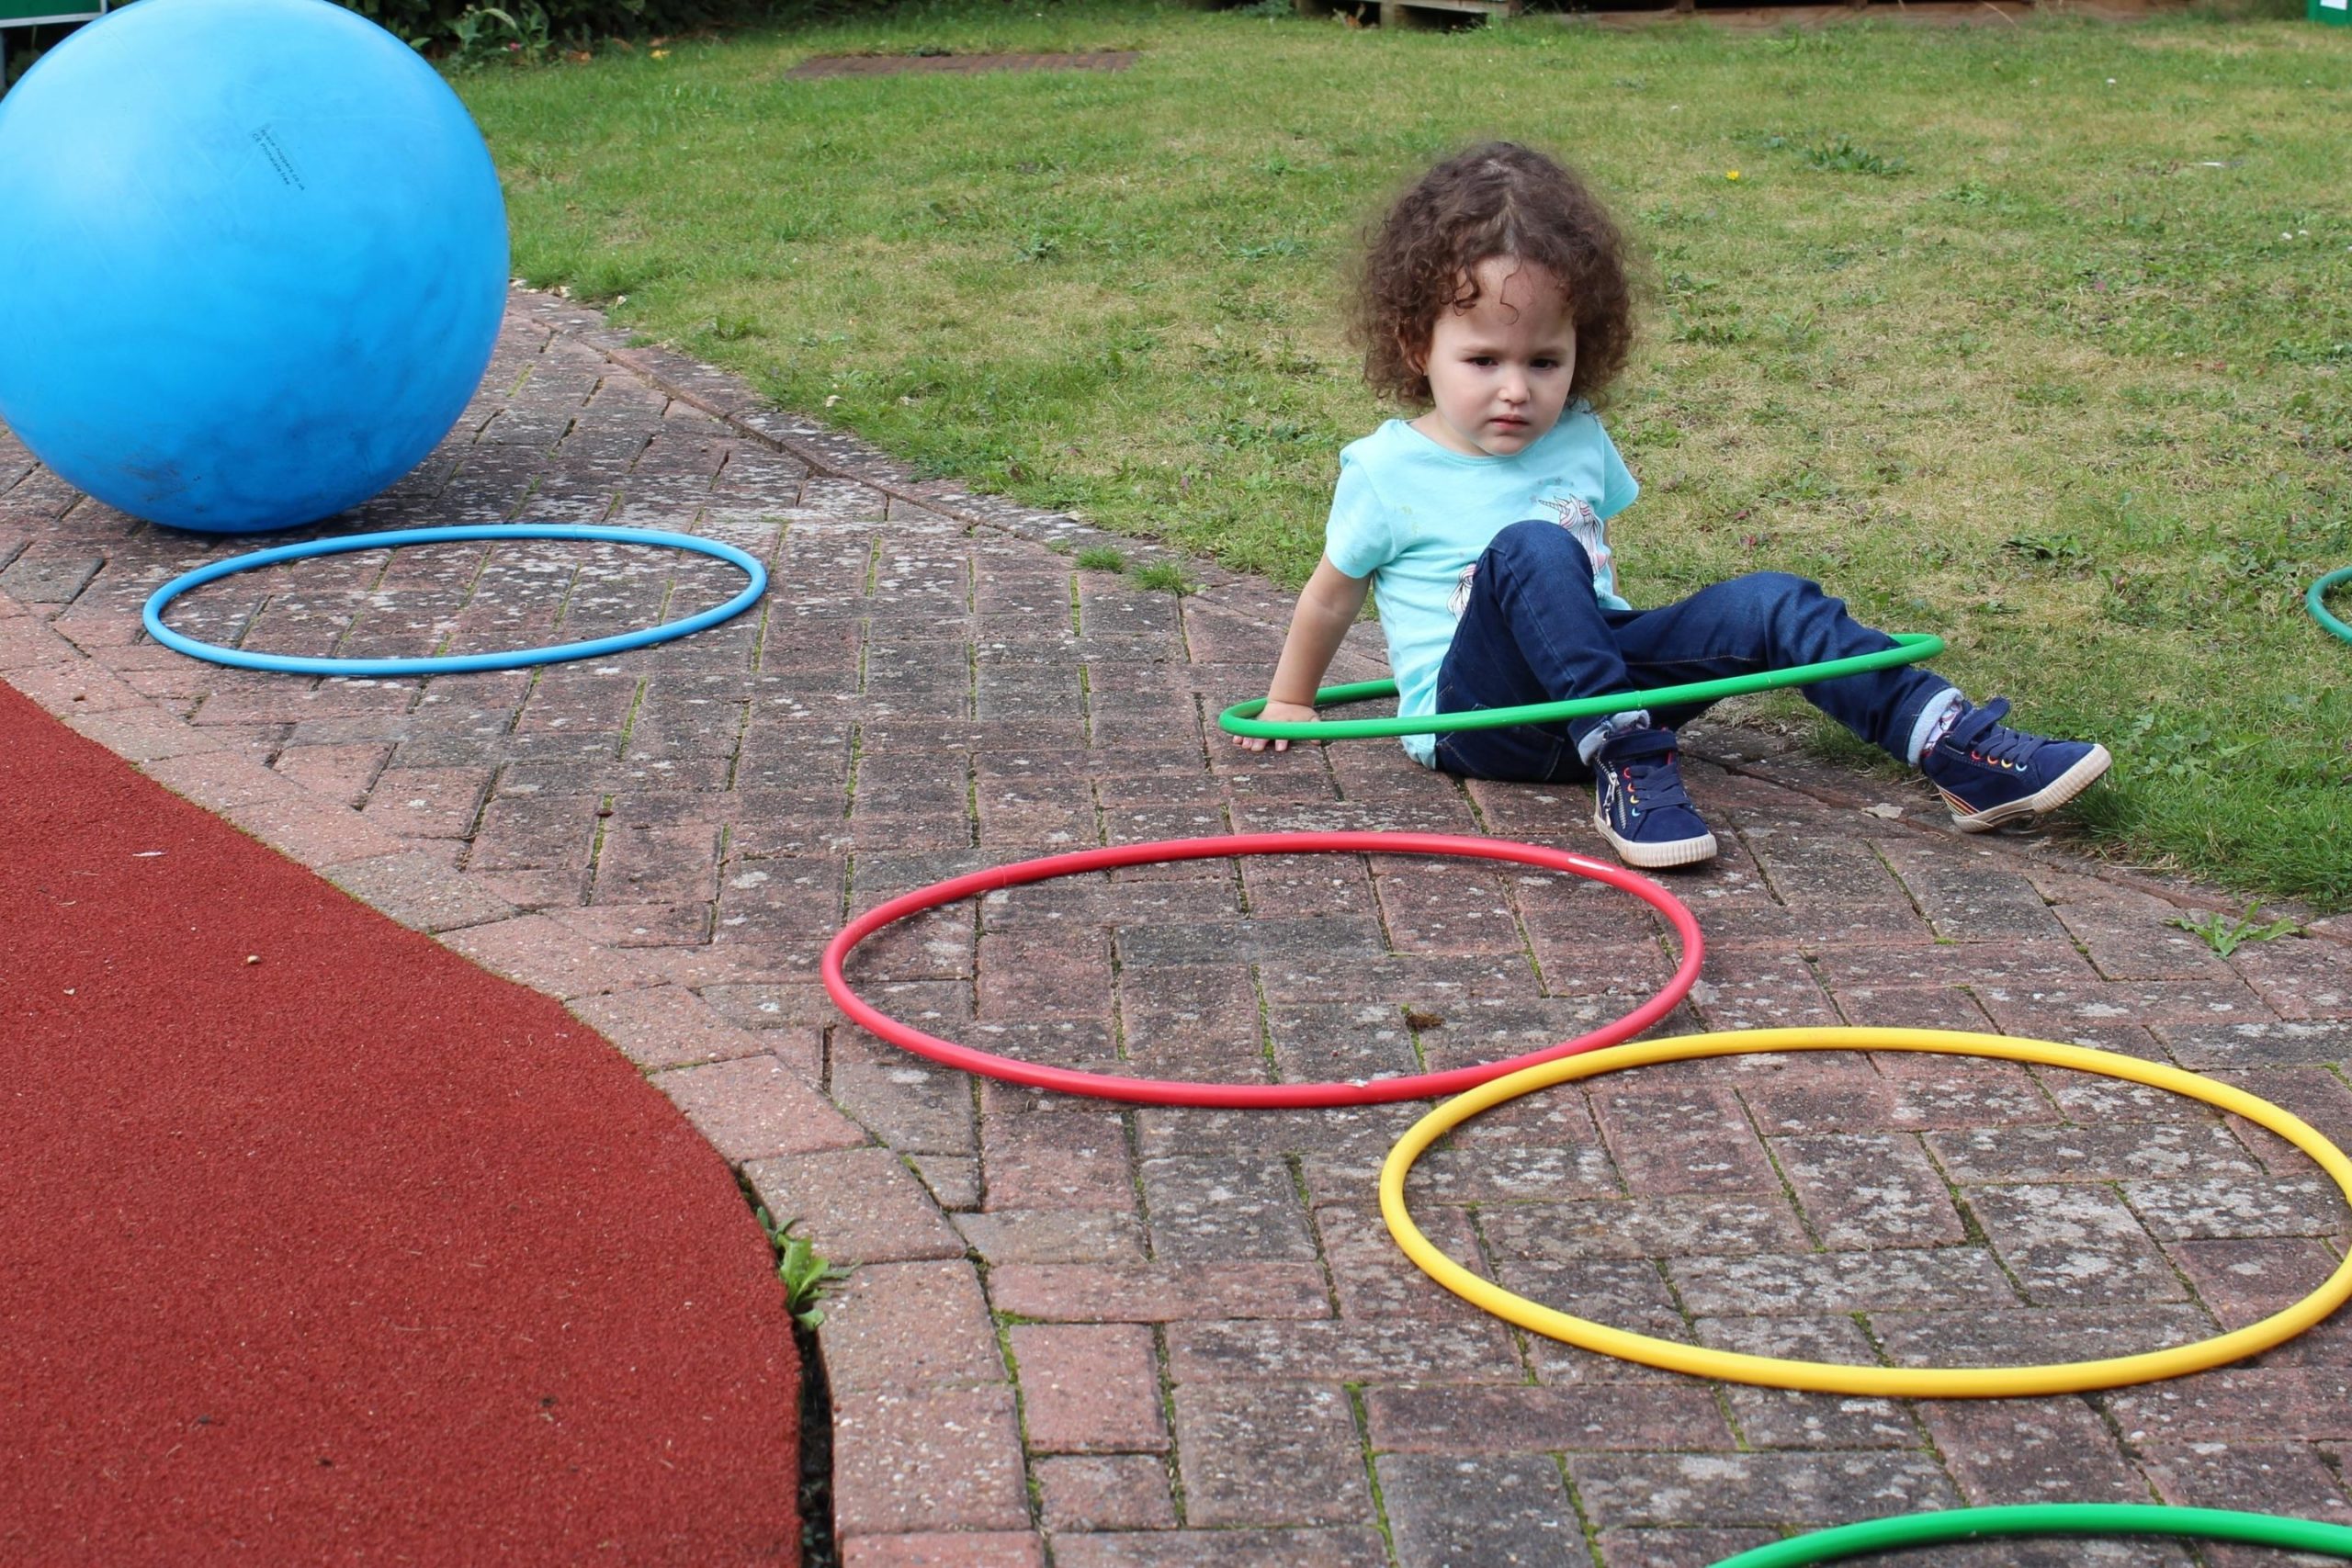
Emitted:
<point x="1928" y="728"/>
<point x="1589" y="744"/>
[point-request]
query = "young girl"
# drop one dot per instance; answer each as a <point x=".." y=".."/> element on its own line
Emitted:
<point x="1496" y="295"/>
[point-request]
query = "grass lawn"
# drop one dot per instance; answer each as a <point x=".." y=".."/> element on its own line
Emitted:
<point x="2034" y="336"/>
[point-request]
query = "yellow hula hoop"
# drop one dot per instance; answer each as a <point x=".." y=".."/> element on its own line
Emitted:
<point x="1822" y="1377"/>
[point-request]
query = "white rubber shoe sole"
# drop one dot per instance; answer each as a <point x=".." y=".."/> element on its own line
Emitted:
<point x="2049" y="798"/>
<point x="1658" y="857"/>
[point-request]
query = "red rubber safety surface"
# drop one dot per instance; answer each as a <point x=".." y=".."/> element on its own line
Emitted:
<point x="1169" y="1091"/>
<point x="356" y="1254"/>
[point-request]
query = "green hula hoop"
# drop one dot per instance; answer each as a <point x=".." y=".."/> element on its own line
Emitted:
<point x="2315" y="602"/>
<point x="2047" y="1518"/>
<point x="1242" y="719"/>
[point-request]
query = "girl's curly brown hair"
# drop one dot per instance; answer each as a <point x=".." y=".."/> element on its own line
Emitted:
<point x="1498" y="199"/>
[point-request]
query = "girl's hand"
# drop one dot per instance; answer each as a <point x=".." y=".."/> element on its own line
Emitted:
<point x="1326" y="607"/>
<point x="1277" y="713"/>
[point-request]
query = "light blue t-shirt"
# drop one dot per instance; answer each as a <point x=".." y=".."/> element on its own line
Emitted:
<point x="1414" y="517"/>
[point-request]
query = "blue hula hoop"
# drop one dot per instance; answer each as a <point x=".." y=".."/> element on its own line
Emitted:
<point x="446" y="664"/>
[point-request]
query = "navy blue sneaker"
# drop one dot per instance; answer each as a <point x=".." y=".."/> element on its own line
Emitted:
<point x="1640" y="805"/>
<point x="1989" y="773"/>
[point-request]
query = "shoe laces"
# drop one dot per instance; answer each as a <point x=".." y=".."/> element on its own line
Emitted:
<point x="1651" y="778"/>
<point x="1985" y="738"/>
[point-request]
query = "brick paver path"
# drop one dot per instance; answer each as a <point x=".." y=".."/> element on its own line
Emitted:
<point x="1098" y="1337"/>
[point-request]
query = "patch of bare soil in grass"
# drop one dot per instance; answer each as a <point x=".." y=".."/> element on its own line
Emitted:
<point x="959" y="65"/>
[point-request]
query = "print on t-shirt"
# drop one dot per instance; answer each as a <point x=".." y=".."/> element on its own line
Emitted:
<point x="1583" y="523"/>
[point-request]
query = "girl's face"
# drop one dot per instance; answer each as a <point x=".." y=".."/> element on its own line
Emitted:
<point x="1500" y="371"/>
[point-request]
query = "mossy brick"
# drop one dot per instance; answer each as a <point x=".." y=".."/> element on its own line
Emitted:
<point x="1970" y="896"/>
<point x="1371" y="1276"/>
<point x="1964" y="1281"/>
<point x="1448" y="909"/>
<point x="342" y="773"/>
<point x="1933" y="1090"/>
<point x="1890" y="1007"/>
<point x="2096" y="1153"/>
<point x="1447" y="1418"/>
<point x="534" y="834"/>
<point x="1761" y="987"/>
<point x="2226" y="1206"/>
<point x="2032" y="1450"/>
<point x="1395" y="1351"/>
<point x="1270" y="1453"/>
<point x="2051" y="1013"/>
<point x="754" y="1108"/>
<point x="1226" y="1207"/>
<point x="1670" y="1225"/>
<point x="1959" y="1337"/>
<point x="914" y="1105"/>
<point x="2041" y="962"/>
<point x="1805" y="923"/>
<point x="1670" y="1139"/>
<point x="1790" y="1418"/>
<point x="908" y="1325"/>
<point x="39" y="577"/>
<point x="427" y="803"/>
<point x="2127" y="935"/>
<point x="1482" y="1507"/>
<point x="1354" y="1546"/>
<point x="2254" y="1477"/>
<point x="1821" y="1488"/>
<point x="668" y="1026"/>
<point x="1091" y="1388"/>
<point x="1012" y="1236"/>
<point x="548" y="956"/>
<point x="1870" y="1190"/>
<point x="855" y="1205"/>
<point x="2257" y="1042"/>
<point x="1065" y="974"/>
<point x="1103" y="1492"/>
<point x="420" y="891"/>
<point x="647" y="865"/>
<point x="920" y="1459"/>
<point x="2257" y="1404"/>
<point x="1693" y="1548"/>
<point x="2304" y="978"/>
<point x="660" y="928"/>
<point x="1077" y="1161"/>
<point x="954" y="1180"/>
<point x="2312" y="1094"/>
<point x="1155" y="1292"/>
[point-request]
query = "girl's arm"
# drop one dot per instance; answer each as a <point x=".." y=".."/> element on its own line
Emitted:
<point x="1327" y="606"/>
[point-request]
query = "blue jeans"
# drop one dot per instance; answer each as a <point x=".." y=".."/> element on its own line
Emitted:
<point x="1533" y="632"/>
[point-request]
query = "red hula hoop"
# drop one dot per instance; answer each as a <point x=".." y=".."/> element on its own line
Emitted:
<point x="1162" y="1091"/>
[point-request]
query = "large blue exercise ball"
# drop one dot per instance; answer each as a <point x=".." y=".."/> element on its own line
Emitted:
<point x="255" y="256"/>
